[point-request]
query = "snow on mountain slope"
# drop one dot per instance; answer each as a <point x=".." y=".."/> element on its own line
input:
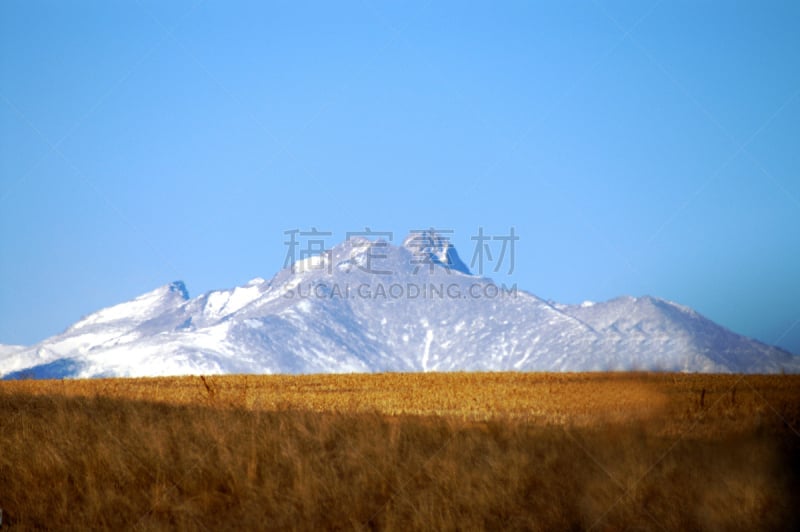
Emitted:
<point x="371" y="306"/>
<point x="692" y="342"/>
<point x="100" y="331"/>
<point x="7" y="353"/>
<point x="8" y="349"/>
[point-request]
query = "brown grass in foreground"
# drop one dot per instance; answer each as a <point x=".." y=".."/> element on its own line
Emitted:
<point x="367" y="451"/>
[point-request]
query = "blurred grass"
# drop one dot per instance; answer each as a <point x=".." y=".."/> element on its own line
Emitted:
<point x="418" y="451"/>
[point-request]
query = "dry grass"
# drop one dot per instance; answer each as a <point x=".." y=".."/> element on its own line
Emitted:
<point x="430" y="451"/>
<point x="544" y="398"/>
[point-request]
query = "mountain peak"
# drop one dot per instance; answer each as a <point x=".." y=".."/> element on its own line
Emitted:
<point x="143" y="307"/>
<point x="179" y="287"/>
<point x="436" y="247"/>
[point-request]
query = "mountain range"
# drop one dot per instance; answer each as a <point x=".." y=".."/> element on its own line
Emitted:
<point x="371" y="306"/>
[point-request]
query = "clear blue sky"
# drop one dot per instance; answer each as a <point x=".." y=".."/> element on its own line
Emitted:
<point x="637" y="147"/>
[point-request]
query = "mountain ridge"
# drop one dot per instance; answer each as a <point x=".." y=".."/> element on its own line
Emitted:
<point x="422" y="311"/>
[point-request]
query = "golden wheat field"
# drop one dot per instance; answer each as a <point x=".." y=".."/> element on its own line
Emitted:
<point x="453" y="451"/>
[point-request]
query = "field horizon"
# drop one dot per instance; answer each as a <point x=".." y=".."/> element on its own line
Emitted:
<point x="527" y="451"/>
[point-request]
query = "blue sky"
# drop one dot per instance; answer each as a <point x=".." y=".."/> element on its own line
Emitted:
<point x="636" y="147"/>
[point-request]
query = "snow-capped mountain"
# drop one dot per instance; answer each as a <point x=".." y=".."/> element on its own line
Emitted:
<point x="369" y="306"/>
